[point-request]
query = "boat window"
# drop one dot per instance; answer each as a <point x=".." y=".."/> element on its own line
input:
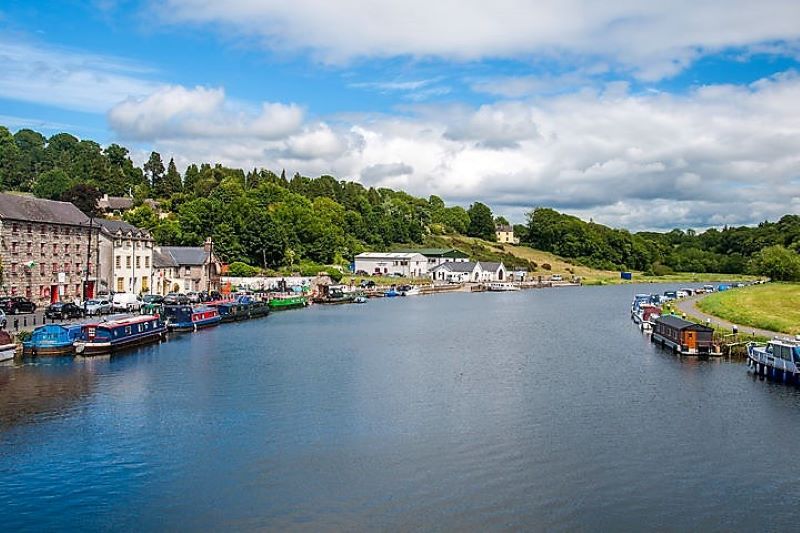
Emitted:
<point x="769" y="348"/>
<point x="796" y="353"/>
<point x="786" y="353"/>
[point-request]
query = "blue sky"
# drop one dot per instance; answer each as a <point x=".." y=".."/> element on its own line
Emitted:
<point x="636" y="114"/>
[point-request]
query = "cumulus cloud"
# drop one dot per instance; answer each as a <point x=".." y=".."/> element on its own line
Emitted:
<point x="654" y="39"/>
<point x="67" y="78"/>
<point x="176" y="112"/>
<point x="720" y="154"/>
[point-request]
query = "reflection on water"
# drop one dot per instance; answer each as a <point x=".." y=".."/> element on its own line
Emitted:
<point x="531" y="410"/>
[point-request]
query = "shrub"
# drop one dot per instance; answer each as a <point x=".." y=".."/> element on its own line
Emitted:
<point x="238" y="269"/>
<point x="547" y="266"/>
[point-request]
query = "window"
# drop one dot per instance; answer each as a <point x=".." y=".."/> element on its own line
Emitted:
<point x="55" y="268"/>
<point x="187" y="270"/>
<point x="13" y="268"/>
<point x="41" y="269"/>
<point x="118" y="262"/>
<point x="55" y="248"/>
<point x="77" y="268"/>
<point x="66" y="248"/>
<point x="30" y="228"/>
<point x="13" y="291"/>
<point x="41" y="248"/>
<point x="66" y="267"/>
<point x="30" y="247"/>
<point x="128" y="262"/>
<point x="145" y="284"/>
<point x="42" y="229"/>
<point x="138" y="262"/>
<point x="14" y="228"/>
<point x="120" y="285"/>
<point x="78" y="249"/>
<point x="147" y="262"/>
<point x="13" y="247"/>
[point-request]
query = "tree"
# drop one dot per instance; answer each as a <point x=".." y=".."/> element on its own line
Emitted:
<point x="52" y="184"/>
<point x="172" y="182"/>
<point x="501" y="221"/>
<point x="154" y="169"/>
<point x="777" y="263"/>
<point x="481" y="223"/>
<point x="84" y="197"/>
<point x="9" y="159"/>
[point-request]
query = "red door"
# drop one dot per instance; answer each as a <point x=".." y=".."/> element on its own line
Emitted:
<point x="53" y="294"/>
<point x="89" y="290"/>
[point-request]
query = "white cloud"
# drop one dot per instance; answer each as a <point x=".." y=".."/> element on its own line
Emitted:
<point x="719" y="154"/>
<point x="68" y="79"/>
<point x="178" y="112"/>
<point x="656" y="39"/>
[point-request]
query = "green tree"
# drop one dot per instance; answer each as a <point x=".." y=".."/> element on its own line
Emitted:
<point x="172" y="182"/>
<point x="154" y="170"/>
<point x="52" y="184"/>
<point x="84" y="197"/>
<point x="481" y="223"/>
<point x="777" y="263"/>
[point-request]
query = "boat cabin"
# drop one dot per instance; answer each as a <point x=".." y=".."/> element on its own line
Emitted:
<point x="52" y="339"/>
<point x="683" y="336"/>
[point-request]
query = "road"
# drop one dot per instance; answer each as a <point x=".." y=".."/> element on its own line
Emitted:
<point x="689" y="307"/>
<point x="28" y="321"/>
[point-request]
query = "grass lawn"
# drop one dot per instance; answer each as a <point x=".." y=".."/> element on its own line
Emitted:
<point x="774" y="306"/>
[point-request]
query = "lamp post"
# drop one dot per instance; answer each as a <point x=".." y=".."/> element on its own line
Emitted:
<point x="88" y="263"/>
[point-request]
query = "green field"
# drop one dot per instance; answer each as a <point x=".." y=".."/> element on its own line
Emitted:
<point x="774" y="306"/>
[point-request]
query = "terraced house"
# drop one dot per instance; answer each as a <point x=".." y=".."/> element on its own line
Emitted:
<point x="126" y="257"/>
<point x="186" y="268"/>
<point x="45" y="252"/>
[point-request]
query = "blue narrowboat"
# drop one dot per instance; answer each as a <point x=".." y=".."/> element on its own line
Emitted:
<point x="188" y="318"/>
<point x="52" y="339"/>
<point x="233" y="311"/>
<point x="257" y="308"/>
<point x="108" y="337"/>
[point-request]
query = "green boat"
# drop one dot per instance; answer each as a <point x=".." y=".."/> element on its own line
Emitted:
<point x="287" y="302"/>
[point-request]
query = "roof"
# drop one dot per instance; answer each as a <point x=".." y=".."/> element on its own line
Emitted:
<point x="679" y="323"/>
<point x="31" y="209"/>
<point x="493" y="267"/>
<point x="452" y="266"/>
<point x="506" y="228"/>
<point x="163" y="260"/>
<point x="115" y="202"/>
<point x="387" y="255"/>
<point x="114" y="226"/>
<point x="185" y="255"/>
<point x="438" y="252"/>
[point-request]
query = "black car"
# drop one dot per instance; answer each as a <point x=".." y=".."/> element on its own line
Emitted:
<point x="16" y="304"/>
<point x="176" y="298"/>
<point x="367" y="284"/>
<point x="63" y="310"/>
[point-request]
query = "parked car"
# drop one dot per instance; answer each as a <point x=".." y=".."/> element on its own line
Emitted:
<point x="175" y="298"/>
<point x="97" y="307"/>
<point x="3" y="320"/>
<point x="367" y="284"/>
<point x="556" y="277"/>
<point x="214" y="295"/>
<point x="62" y="310"/>
<point x="16" y="304"/>
<point x="125" y="302"/>
<point x="361" y="273"/>
<point x="152" y="299"/>
<point x="194" y="297"/>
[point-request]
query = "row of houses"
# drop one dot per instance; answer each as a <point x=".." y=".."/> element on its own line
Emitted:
<point x="51" y="251"/>
<point x="440" y="264"/>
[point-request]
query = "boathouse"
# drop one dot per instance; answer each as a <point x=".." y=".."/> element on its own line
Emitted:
<point x="461" y="272"/>
<point x="407" y="264"/>
<point x="684" y="337"/>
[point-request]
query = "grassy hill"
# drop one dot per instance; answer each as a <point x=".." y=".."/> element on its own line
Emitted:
<point x="774" y="306"/>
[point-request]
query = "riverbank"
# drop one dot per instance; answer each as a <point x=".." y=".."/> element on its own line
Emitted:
<point x="774" y="307"/>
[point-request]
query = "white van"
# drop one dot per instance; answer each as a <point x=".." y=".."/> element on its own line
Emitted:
<point x="125" y="301"/>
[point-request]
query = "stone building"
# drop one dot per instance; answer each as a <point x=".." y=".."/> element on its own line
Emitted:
<point x="46" y="248"/>
<point x="185" y="269"/>
<point x="126" y="258"/>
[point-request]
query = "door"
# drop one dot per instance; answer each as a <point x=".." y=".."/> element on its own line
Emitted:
<point x="89" y="290"/>
<point x="691" y="340"/>
<point x="53" y="294"/>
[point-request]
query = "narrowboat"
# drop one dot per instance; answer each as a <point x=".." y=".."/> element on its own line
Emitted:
<point x="334" y="294"/>
<point x="258" y="308"/>
<point x="8" y="348"/>
<point x="108" y="337"/>
<point x="233" y="311"/>
<point x="682" y="336"/>
<point x="778" y="359"/>
<point x="287" y="302"/>
<point x="52" y="339"/>
<point x="189" y="318"/>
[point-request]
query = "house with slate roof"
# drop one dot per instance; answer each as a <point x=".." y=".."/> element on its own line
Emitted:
<point x="126" y="257"/>
<point x="186" y="268"/>
<point x="457" y="272"/>
<point x="437" y="256"/>
<point x="493" y="272"/>
<point x="43" y="247"/>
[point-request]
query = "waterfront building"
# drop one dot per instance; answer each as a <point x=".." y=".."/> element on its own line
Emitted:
<point x="437" y="256"/>
<point x="505" y="234"/>
<point x="458" y="272"/>
<point x="408" y="264"/>
<point x="126" y="258"/>
<point x="186" y="268"/>
<point x="493" y="271"/>
<point x="46" y="249"/>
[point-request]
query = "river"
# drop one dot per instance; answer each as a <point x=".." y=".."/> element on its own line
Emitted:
<point x="538" y="410"/>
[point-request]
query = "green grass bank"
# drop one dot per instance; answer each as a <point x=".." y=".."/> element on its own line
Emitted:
<point x="773" y="306"/>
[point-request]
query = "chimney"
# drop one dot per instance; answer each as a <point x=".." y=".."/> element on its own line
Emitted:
<point x="207" y="245"/>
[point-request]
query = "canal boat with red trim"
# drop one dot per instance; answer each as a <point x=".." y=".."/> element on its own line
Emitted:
<point x="108" y="337"/>
<point x="190" y="318"/>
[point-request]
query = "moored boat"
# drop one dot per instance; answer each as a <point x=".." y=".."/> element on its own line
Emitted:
<point x="334" y="294"/>
<point x="408" y="290"/>
<point x="108" y="337"/>
<point x="682" y="336"/>
<point x="8" y="347"/>
<point x="502" y="287"/>
<point x="778" y="359"/>
<point x="233" y="311"/>
<point x="190" y="318"/>
<point x="257" y="308"/>
<point x="277" y="303"/>
<point x="52" y="339"/>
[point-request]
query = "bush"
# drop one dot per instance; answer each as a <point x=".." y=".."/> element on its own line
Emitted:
<point x="777" y="263"/>
<point x="546" y="266"/>
<point x="238" y="269"/>
<point x="660" y="270"/>
<point x="23" y="336"/>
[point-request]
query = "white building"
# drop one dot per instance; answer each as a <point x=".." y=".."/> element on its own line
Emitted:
<point x="438" y="256"/>
<point x="126" y="257"/>
<point x="408" y="264"/>
<point x="458" y="272"/>
<point x="493" y="272"/>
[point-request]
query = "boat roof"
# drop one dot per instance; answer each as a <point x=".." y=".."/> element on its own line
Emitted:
<point x="123" y="321"/>
<point x="679" y="323"/>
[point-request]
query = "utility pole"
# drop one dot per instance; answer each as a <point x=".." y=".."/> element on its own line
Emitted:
<point x="88" y="262"/>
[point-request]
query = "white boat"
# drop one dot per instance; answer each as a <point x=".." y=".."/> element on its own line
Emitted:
<point x="778" y="359"/>
<point x="502" y="287"/>
<point x="407" y="290"/>
<point x="7" y="347"/>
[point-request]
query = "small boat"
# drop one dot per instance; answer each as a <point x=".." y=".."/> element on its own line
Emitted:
<point x="258" y="308"/>
<point x="778" y="359"/>
<point x="52" y="339"/>
<point x="233" y="311"/>
<point x="408" y="290"/>
<point x="648" y="314"/>
<point x="287" y="302"/>
<point x="8" y="348"/>
<point x="360" y="299"/>
<point x="502" y="287"/>
<point x="333" y="295"/>
<point x="108" y="337"/>
<point x="190" y="318"/>
<point x="392" y="292"/>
